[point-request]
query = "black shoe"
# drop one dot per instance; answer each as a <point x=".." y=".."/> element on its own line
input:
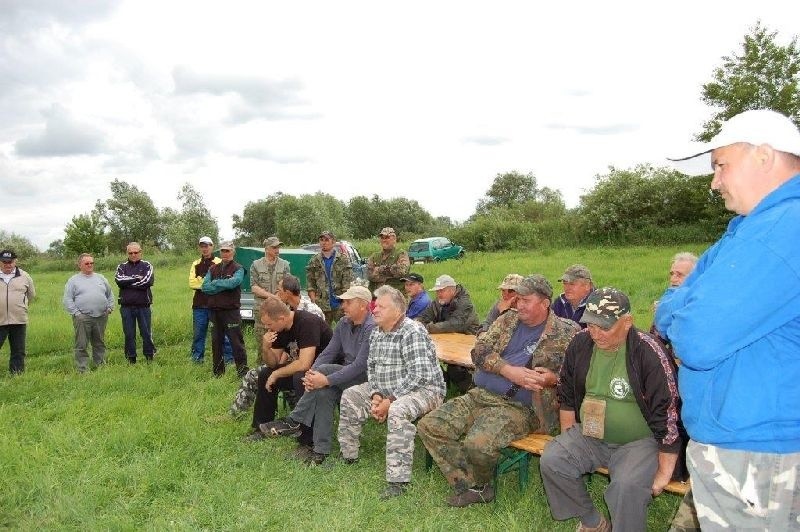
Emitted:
<point x="242" y="371"/>
<point x="315" y="459"/>
<point x="131" y="360"/>
<point x="393" y="489"/>
<point x="478" y="494"/>
<point x="348" y="461"/>
<point x="256" y="435"/>
<point x="280" y="427"/>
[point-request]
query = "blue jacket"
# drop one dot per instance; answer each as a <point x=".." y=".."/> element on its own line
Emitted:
<point x="735" y="325"/>
<point x="417" y="304"/>
<point x="134" y="280"/>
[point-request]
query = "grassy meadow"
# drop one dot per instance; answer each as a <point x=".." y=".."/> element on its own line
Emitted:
<point x="138" y="447"/>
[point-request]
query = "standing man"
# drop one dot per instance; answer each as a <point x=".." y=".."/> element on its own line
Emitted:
<point x="89" y="300"/>
<point x="389" y="265"/>
<point x="265" y="274"/>
<point x="418" y="299"/>
<point x="134" y="279"/>
<point x="222" y="284"/>
<point x="404" y="383"/>
<point x="343" y="363"/>
<point x="517" y="361"/>
<point x="200" y="310"/>
<point x="735" y="325"/>
<point x="16" y="291"/>
<point x="328" y="273"/>
<point x="578" y="285"/>
<point x="619" y="410"/>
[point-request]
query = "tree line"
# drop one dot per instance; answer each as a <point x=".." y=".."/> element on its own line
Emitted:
<point x="639" y="205"/>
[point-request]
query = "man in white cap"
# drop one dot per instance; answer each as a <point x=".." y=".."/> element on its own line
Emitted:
<point x="200" y="311"/>
<point x="735" y="325"/>
<point x="343" y="363"/>
<point x="451" y="311"/>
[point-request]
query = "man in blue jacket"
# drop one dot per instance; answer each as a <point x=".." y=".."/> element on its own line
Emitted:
<point x="735" y="325"/>
<point x="134" y="279"/>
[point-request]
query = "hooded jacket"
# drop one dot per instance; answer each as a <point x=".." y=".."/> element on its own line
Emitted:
<point x="457" y="316"/>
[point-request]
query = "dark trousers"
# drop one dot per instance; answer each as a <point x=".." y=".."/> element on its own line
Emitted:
<point x="266" y="403"/>
<point x="16" y="341"/>
<point x="131" y="316"/>
<point x="227" y="322"/>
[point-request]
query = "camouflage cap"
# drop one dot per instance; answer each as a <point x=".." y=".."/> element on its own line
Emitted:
<point x="327" y="234"/>
<point x="511" y="282"/>
<point x="357" y="292"/>
<point x="387" y="231"/>
<point x="576" y="271"/>
<point x="535" y="284"/>
<point x="605" y="306"/>
<point x="272" y="242"/>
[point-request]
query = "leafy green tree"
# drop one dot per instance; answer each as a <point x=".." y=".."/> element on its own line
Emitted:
<point x="182" y="229"/>
<point x="130" y="215"/>
<point x="56" y="249"/>
<point x="300" y="220"/>
<point x="258" y="220"/>
<point x="22" y="246"/>
<point x="507" y="190"/>
<point x="367" y="216"/>
<point x="764" y="75"/>
<point x="85" y="234"/>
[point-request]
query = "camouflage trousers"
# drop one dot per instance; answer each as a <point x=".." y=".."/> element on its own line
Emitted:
<point x="246" y="394"/>
<point x="737" y="490"/>
<point x="685" y="519"/>
<point x="466" y="434"/>
<point x="354" y="412"/>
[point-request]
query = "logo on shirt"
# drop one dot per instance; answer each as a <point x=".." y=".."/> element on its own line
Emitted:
<point x="619" y="388"/>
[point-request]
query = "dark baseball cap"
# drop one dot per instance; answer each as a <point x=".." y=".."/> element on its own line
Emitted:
<point x="7" y="255"/>
<point x="413" y="277"/>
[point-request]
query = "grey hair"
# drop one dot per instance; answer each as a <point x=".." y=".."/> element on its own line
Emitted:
<point x="83" y="256"/>
<point x="684" y="256"/>
<point x="134" y="243"/>
<point x="397" y="299"/>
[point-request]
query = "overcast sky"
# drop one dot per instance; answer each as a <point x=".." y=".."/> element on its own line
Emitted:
<point x="428" y="100"/>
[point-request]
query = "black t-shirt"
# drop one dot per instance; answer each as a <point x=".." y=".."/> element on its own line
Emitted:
<point x="308" y="330"/>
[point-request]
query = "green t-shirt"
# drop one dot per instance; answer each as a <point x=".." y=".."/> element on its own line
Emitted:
<point x="608" y="380"/>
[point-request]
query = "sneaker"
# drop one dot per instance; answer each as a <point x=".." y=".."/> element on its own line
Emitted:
<point x="604" y="526"/>
<point x="348" y="461"/>
<point x="280" y="427"/>
<point x="315" y="459"/>
<point x="478" y="494"/>
<point x="256" y="435"/>
<point x="393" y="489"/>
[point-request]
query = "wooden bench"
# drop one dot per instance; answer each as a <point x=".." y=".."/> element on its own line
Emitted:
<point x="518" y="455"/>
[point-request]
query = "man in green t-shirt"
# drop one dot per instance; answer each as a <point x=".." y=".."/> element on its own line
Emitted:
<point x="619" y="410"/>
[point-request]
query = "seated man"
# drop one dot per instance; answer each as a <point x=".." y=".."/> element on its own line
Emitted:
<point x="342" y="364"/>
<point x="285" y="369"/>
<point x="289" y="293"/>
<point x="418" y="299"/>
<point x="577" y="286"/>
<point x="518" y="361"/>
<point x="619" y="410"/>
<point x="508" y="300"/>
<point x="452" y="311"/>
<point x="404" y="383"/>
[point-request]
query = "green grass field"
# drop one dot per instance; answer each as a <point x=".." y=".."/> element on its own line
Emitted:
<point x="131" y="447"/>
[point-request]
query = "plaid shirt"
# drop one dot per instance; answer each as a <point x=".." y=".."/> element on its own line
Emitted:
<point x="403" y="360"/>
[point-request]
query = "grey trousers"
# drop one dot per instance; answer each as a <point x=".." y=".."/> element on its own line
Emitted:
<point x="89" y="330"/>
<point x="632" y="468"/>
<point x="315" y="408"/>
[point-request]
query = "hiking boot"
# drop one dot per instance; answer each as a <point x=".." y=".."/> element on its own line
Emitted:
<point x="474" y="495"/>
<point x="256" y="435"/>
<point x="393" y="489"/>
<point x="280" y="427"/>
<point x="604" y="526"/>
<point x="315" y="459"/>
<point x="302" y="452"/>
<point x="242" y="371"/>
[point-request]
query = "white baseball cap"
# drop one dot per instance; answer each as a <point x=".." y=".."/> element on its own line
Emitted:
<point x="756" y="127"/>
<point x="443" y="281"/>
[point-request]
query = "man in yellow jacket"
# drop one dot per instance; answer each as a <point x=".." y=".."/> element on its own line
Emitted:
<point x="200" y="311"/>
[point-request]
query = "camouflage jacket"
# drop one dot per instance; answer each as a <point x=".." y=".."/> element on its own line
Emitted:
<point x="387" y="268"/>
<point x="317" y="278"/>
<point x="458" y="316"/>
<point x="486" y="355"/>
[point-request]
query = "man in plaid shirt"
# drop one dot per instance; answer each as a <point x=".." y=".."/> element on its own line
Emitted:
<point x="404" y="383"/>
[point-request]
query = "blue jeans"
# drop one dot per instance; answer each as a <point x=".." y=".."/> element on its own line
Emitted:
<point x="200" y="318"/>
<point x="131" y="316"/>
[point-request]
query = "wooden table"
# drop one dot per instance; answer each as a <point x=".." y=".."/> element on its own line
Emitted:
<point x="454" y="348"/>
